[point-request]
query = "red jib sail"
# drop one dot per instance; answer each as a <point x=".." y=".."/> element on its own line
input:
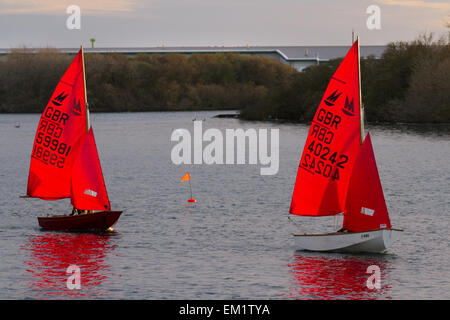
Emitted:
<point x="88" y="185"/>
<point x="332" y="144"/>
<point x="366" y="208"/>
<point x="60" y="131"/>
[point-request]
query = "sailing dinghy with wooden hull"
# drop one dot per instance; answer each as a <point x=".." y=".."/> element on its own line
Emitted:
<point x="338" y="173"/>
<point x="64" y="161"/>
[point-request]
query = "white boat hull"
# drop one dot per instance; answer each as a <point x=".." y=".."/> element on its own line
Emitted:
<point x="375" y="241"/>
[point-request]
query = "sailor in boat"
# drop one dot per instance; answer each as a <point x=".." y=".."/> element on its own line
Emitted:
<point x="76" y="211"/>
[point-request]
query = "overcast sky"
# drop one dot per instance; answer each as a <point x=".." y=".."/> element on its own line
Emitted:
<point x="149" y="23"/>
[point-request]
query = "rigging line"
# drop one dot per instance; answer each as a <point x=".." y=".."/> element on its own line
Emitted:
<point x="295" y="223"/>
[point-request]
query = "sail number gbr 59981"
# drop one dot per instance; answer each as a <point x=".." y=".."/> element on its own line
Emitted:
<point x="48" y="148"/>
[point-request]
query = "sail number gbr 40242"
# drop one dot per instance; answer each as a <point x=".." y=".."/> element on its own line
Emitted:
<point x="319" y="158"/>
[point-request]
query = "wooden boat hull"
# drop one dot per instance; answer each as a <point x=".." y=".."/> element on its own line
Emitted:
<point x="101" y="220"/>
<point x="375" y="241"/>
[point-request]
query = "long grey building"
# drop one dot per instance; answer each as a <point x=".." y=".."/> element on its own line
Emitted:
<point x="299" y="57"/>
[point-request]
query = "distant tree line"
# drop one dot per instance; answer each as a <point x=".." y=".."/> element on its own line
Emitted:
<point x="409" y="83"/>
<point x="144" y="82"/>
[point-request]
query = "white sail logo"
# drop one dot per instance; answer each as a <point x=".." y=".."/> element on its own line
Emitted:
<point x="367" y="211"/>
<point x="90" y="192"/>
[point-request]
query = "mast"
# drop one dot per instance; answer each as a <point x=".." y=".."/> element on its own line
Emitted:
<point x="361" y="108"/>
<point x="88" y="124"/>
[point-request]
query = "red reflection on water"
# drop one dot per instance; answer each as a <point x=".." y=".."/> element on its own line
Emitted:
<point x="52" y="253"/>
<point x="317" y="276"/>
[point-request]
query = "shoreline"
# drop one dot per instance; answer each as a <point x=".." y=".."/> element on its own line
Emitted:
<point x="237" y="116"/>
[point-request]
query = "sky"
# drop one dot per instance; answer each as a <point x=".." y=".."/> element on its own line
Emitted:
<point x="155" y="23"/>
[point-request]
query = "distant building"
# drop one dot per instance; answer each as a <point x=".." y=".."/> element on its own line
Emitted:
<point x="299" y="57"/>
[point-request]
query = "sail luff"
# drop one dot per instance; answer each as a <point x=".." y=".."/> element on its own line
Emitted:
<point x="361" y="109"/>
<point x="88" y="124"/>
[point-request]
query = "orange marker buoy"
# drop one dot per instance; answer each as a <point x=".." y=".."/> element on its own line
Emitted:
<point x="187" y="177"/>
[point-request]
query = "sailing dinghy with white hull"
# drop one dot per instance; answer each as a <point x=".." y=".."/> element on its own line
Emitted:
<point x="64" y="161"/>
<point x="338" y="173"/>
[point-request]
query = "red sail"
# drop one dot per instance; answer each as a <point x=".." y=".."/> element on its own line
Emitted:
<point x="332" y="144"/>
<point x="366" y="208"/>
<point x="88" y="186"/>
<point x="61" y="128"/>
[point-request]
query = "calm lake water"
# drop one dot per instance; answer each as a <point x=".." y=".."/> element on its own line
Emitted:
<point x="236" y="241"/>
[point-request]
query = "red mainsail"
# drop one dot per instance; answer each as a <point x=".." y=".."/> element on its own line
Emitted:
<point x="88" y="185"/>
<point x="60" y="131"/>
<point x="64" y="161"/>
<point x="366" y="207"/>
<point x="332" y="145"/>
